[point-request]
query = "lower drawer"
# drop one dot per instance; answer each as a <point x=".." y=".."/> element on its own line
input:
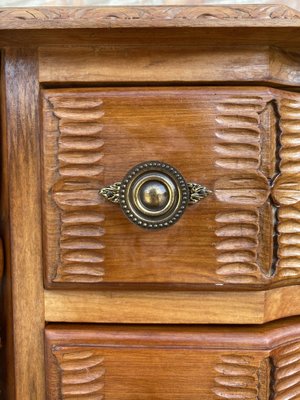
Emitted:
<point x="178" y="363"/>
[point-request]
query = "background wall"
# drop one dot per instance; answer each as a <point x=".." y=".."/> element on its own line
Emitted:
<point x="33" y="3"/>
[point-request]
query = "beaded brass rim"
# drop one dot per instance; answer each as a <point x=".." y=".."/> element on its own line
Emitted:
<point x="131" y="195"/>
<point x="154" y="194"/>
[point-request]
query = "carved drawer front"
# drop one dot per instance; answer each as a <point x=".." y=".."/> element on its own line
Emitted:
<point x="210" y="363"/>
<point x="240" y="143"/>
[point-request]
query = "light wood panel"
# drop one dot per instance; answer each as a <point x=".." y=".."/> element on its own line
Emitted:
<point x="22" y="168"/>
<point x="205" y="307"/>
<point x="173" y="363"/>
<point x="171" y="63"/>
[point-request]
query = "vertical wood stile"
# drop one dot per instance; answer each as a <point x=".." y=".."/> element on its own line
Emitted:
<point x="21" y="123"/>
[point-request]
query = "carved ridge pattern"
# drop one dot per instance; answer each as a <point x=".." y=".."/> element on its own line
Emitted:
<point x="286" y="190"/>
<point x="135" y="14"/>
<point x="237" y="378"/>
<point x="239" y="132"/>
<point x="76" y="191"/>
<point x="276" y="377"/>
<point x="286" y="373"/>
<point x="81" y="374"/>
<point x="239" y="149"/>
<point x="237" y="246"/>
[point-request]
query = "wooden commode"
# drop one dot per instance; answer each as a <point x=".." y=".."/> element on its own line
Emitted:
<point x="150" y="203"/>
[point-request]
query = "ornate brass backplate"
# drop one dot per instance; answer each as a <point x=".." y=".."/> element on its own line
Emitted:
<point x="154" y="194"/>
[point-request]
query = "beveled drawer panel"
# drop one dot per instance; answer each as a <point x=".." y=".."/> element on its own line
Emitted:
<point x="167" y="363"/>
<point x="241" y="143"/>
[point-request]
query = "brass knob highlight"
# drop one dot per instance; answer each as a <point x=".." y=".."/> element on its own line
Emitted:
<point x="154" y="195"/>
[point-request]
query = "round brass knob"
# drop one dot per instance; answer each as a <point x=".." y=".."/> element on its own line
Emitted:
<point x="154" y="194"/>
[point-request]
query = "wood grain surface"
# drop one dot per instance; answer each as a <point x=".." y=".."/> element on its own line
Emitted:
<point x="7" y="354"/>
<point x="21" y="91"/>
<point x="224" y="138"/>
<point x="173" y="363"/>
<point x="285" y="38"/>
<point x="167" y="307"/>
<point x="176" y="61"/>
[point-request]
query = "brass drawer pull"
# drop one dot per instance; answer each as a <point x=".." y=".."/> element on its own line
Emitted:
<point x="154" y="194"/>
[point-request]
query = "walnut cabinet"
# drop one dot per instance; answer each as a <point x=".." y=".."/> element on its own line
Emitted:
<point x="150" y="203"/>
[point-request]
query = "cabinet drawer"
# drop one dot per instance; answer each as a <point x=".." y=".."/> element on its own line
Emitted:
<point x="239" y="142"/>
<point x="173" y="363"/>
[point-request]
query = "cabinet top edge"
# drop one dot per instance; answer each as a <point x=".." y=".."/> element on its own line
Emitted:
<point x="149" y="17"/>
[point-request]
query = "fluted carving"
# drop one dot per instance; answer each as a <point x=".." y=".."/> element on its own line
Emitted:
<point x="286" y="190"/>
<point x="237" y="246"/>
<point x="238" y="131"/>
<point x="80" y="172"/>
<point x="239" y="127"/>
<point x="237" y="377"/>
<point x="81" y="374"/>
<point x="286" y="372"/>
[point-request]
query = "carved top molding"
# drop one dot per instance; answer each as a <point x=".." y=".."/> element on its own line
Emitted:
<point x="148" y="17"/>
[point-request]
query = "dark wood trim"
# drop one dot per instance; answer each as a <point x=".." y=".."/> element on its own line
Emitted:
<point x="267" y="336"/>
